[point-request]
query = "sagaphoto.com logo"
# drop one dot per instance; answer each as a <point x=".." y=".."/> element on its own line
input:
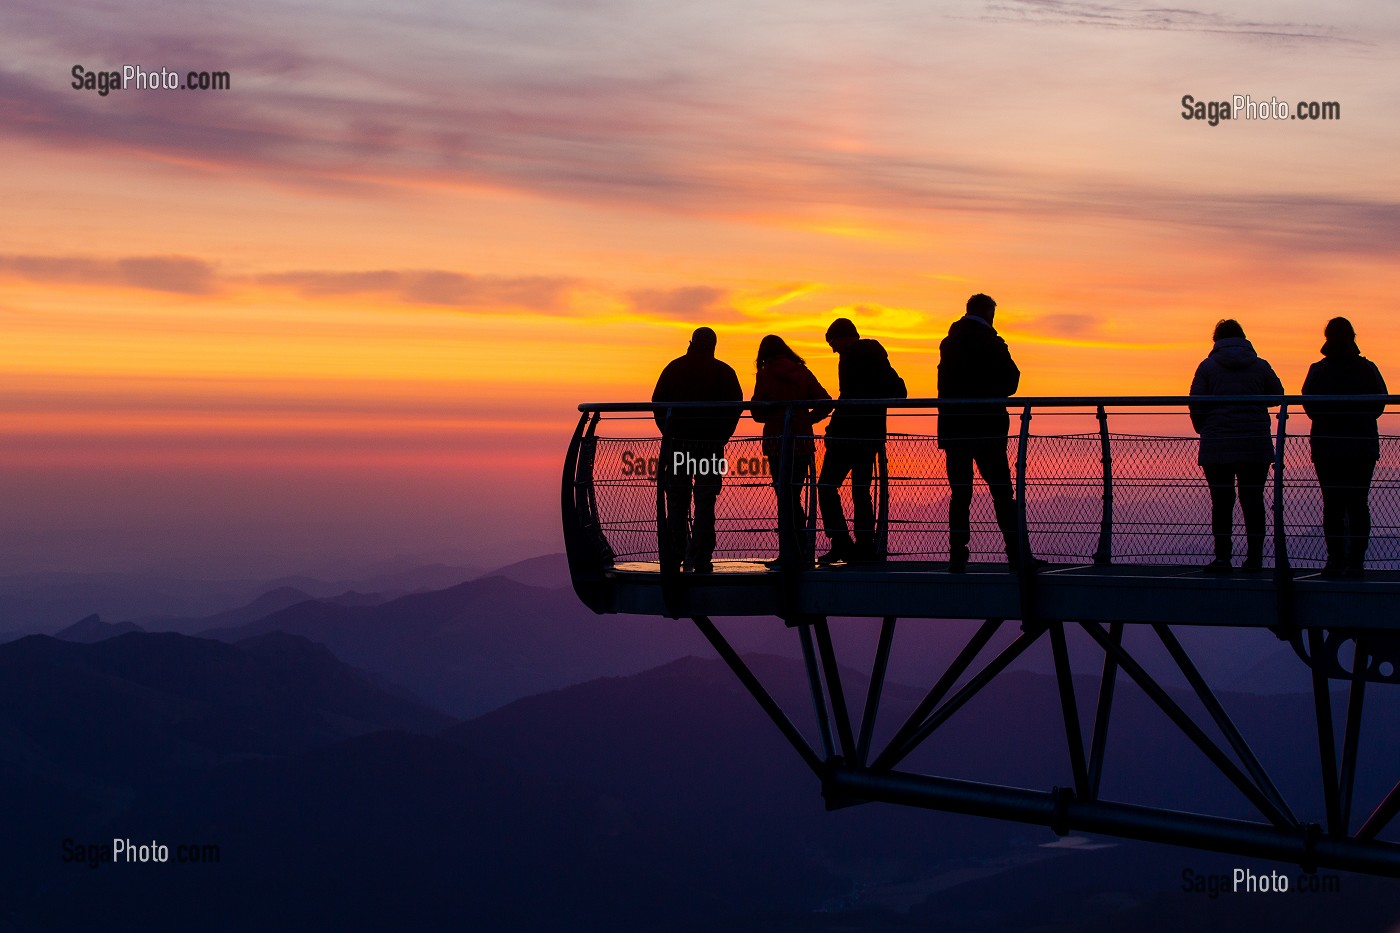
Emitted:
<point x="1245" y="107"/>
<point x="136" y="78"/>
<point x="688" y="464"/>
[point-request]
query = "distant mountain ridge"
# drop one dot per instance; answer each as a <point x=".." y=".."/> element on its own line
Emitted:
<point x="140" y="704"/>
<point x="93" y="629"/>
<point x="480" y="644"/>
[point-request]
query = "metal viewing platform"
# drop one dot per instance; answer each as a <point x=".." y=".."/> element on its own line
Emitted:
<point x="1108" y="492"/>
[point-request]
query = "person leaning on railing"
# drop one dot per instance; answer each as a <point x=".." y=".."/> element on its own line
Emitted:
<point x="1345" y="446"/>
<point x="783" y="376"/>
<point x="697" y="437"/>
<point x="1236" y="441"/>
<point x="854" y="438"/>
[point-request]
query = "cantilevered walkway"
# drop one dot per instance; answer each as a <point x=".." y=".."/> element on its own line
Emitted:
<point x="1109" y="493"/>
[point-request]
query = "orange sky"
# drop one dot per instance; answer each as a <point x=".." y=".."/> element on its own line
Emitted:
<point x="368" y="285"/>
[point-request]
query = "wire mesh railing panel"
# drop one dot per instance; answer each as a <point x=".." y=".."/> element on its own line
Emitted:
<point x="1159" y="511"/>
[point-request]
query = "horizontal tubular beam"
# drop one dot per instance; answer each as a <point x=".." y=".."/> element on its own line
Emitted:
<point x="1063" y="813"/>
<point x="1035" y="401"/>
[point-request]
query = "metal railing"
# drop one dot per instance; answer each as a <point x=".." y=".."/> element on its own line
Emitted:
<point x="1098" y="480"/>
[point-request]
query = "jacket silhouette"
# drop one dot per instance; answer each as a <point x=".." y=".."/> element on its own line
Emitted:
<point x="1234" y="432"/>
<point x="864" y="372"/>
<point x="1342" y="429"/>
<point x="974" y="362"/>
<point x="785" y="380"/>
<point x="699" y="377"/>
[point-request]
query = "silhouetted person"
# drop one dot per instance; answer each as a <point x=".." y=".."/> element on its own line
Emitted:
<point x="1237" y="443"/>
<point x="1345" y="446"/>
<point x="974" y="362"/>
<point x="783" y="376"/>
<point x="696" y="450"/>
<point x="853" y="440"/>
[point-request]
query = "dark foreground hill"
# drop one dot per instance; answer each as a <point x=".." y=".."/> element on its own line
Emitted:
<point x="84" y="727"/>
<point x="661" y="801"/>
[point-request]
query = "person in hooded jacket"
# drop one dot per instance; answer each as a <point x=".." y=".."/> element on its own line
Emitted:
<point x="1345" y="445"/>
<point x="1236" y="441"/>
<point x="783" y="376"/>
<point x="853" y="441"/>
<point x="974" y="362"/>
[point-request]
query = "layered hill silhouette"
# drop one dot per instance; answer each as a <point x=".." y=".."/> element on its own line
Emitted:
<point x="274" y="600"/>
<point x="662" y="800"/>
<point x="133" y="707"/>
<point x="481" y="644"/>
<point x="92" y="629"/>
<point x="43" y="603"/>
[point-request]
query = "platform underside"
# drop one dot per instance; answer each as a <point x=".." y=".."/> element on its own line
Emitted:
<point x="1148" y="593"/>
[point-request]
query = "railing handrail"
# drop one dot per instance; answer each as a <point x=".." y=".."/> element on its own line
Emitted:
<point x="1035" y="401"/>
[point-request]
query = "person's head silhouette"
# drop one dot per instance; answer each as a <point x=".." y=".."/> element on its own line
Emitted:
<point x="1339" y="329"/>
<point x="1228" y="327"/>
<point x="703" y="341"/>
<point x="773" y="347"/>
<point x="841" y="334"/>
<point x="980" y="305"/>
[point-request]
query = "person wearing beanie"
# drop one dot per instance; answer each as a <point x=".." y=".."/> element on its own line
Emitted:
<point x="1345" y="445"/>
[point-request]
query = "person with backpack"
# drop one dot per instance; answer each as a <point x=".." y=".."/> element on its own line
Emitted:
<point x="853" y="440"/>
<point x="975" y="363"/>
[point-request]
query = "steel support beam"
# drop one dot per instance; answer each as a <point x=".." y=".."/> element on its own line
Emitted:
<point x="1062" y="812"/>
<point x="876" y="689"/>
<point x="765" y="700"/>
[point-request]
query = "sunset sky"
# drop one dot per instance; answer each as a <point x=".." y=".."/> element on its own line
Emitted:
<point x="346" y="309"/>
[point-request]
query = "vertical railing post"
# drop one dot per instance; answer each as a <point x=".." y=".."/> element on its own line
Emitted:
<point x="1023" y="538"/>
<point x="809" y="517"/>
<point x="670" y="563"/>
<point x="1103" y="555"/>
<point x="1280" y="529"/>
<point x="789" y="545"/>
<point x="1283" y="576"/>
<point x="882" y="517"/>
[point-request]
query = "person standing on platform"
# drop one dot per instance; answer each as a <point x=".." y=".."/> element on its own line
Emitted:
<point x="854" y="439"/>
<point x="1236" y="441"/>
<point x="975" y="363"/>
<point x="1345" y="446"/>
<point x="783" y="376"/>
<point x="693" y="467"/>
